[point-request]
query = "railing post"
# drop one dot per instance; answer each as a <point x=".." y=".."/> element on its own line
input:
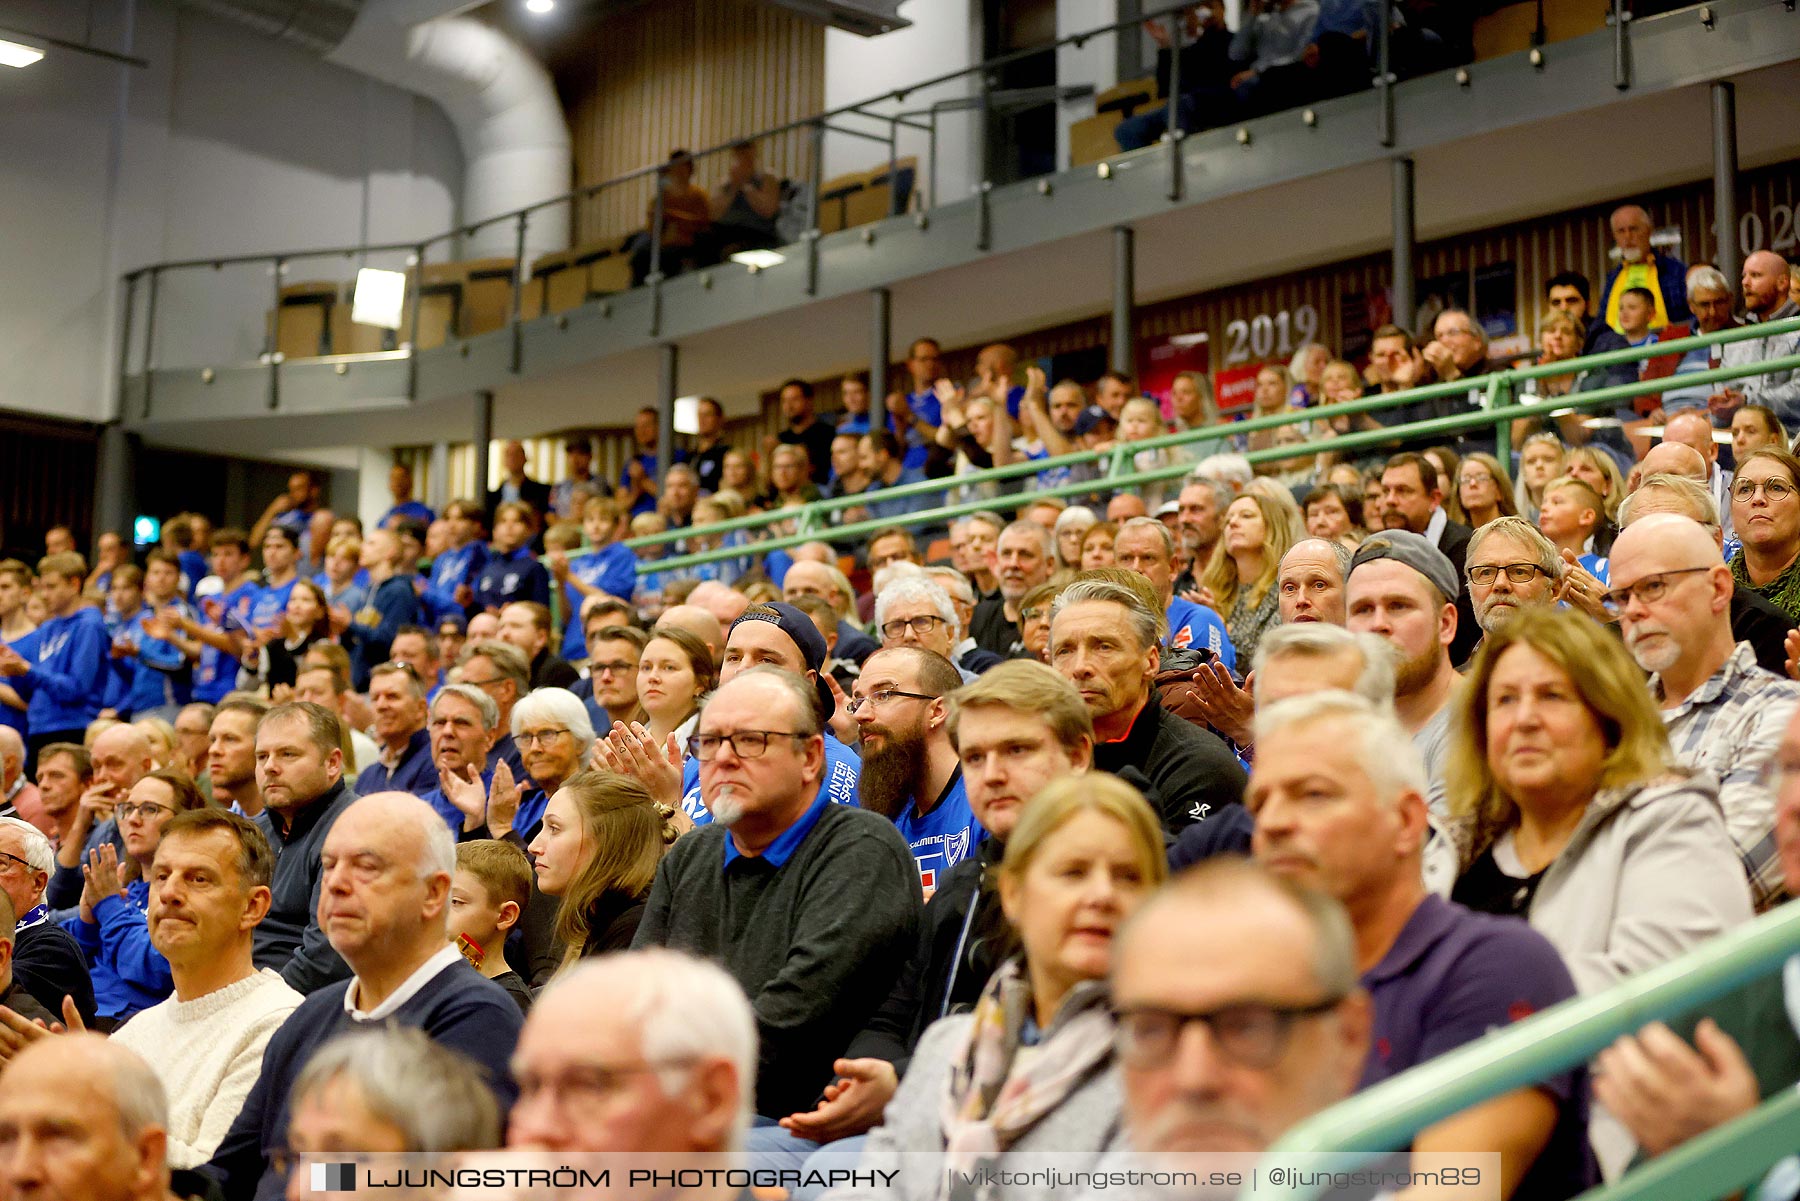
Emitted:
<point x="1500" y="400"/>
<point x="894" y="167"/>
<point x="518" y="295"/>
<point x="1122" y="349"/>
<point x="1384" y="70"/>
<point x="881" y="314"/>
<point x="275" y="339"/>
<point x="666" y="366"/>
<point x="1173" y="134"/>
<point x="150" y="337"/>
<point x="1404" y="235"/>
<point x="656" y="236"/>
<point x="1727" y="254"/>
<point x="484" y="437"/>
<point x="931" y="178"/>
<point x="812" y="208"/>
<point x="1621" y="45"/>
<point x="128" y="304"/>
<point x="412" y="336"/>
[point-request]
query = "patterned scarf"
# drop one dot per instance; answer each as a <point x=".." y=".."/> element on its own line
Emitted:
<point x="1783" y="591"/>
<point x="989" y="1103"/>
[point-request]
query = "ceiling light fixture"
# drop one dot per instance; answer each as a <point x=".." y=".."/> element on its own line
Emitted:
<point x="540" y="7"/>
<point x="759" y="260"/>
<point x="18" y="54"/>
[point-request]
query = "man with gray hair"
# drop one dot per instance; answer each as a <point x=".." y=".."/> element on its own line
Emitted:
<point x="916" y="611"/>
<point x="969" y="658"/>
<point x="46" y="960"/>
<point x="1339" y="802"/>
<point x="680" y="1040"/>
<point x="833" y="587"/>
<point x="1108" y="642"/>
<point x="1026" y="556"/>
<point x="1199" y="507"/>
<point x="464" y="723"/>
<point x="1510" y="566"/>
<point x="500" y="670"/>
<point x="391" y="1085"/>
<point x="744" y="888"/>
<point x="106" y="1112"/>
<point x="384" y="894"/>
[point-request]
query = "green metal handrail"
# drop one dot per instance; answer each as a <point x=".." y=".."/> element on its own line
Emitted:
<point x="1499" y="409"/>
<point x="1388" y="1116"/>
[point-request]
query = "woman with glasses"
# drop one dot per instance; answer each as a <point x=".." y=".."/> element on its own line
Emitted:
<point x="1765" y="516"/>
<point x="1031" y="1069"/>
<point x="674" y="675"/>
<point x="1484" y="490"/>
<point x="1034" y="618"/>
<point x="128" y="973"/>
<point x="601" y="839"/>
<point x="551" y="729"/>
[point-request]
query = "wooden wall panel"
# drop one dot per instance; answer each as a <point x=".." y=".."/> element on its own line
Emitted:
<point x="688" y="74"/>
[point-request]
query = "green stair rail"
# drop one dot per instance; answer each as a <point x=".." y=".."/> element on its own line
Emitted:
<point x="1386" y="1117"/>
<point x="1500" y="407"/>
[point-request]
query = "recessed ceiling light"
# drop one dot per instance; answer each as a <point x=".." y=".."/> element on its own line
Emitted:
<point x="540" y="7"/>
<point x="17" y="54"/>
<point x="759" y="259"/>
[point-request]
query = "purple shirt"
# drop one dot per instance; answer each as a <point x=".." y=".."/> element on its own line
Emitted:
<point x="1452" y="976"/>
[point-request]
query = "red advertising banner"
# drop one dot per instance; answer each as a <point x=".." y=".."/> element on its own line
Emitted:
<point x="1236" y="387"/>
<point x="1160" y="360"/>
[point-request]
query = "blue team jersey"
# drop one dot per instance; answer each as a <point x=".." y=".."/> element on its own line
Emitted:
<point x="1192" y="625"/>
<point x="944" y="837"/>
<point x="451" y="570"/>
<point x="1596" y="566"/>
<point x="512" y="576"/>
<point x="842" y="767"/>
<point x="611" y="569"/>
<point x="271" y="605"/>
<point x="217" y="673"/>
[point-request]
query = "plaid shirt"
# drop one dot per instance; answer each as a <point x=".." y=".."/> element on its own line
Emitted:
<point x="1731" y="727"/>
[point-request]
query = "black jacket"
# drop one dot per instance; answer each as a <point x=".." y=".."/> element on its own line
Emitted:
<point x="1455" y="545"/>
<point x="1756" y="620"/>
<point x="533" y="493"/>
<point x="992" y="631"/>
<point x="853" y="644"/>
<point x="549" y="671"/>
<point x="1192" y="770"/>
<point x="47" y="963"/>
<point x="289" y="939"/>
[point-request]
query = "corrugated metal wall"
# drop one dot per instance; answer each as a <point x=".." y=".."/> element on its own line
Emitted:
<point x="689" y="74"/>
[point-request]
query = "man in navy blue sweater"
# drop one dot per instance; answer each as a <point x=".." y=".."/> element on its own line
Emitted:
<point x="64" y="661"/>
<point x="397" y="698"/>
<point x="387" y="865"/>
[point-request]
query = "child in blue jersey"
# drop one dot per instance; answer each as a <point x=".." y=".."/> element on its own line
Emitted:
<point x="1572" y="511"/>
<point x="392" y="604"/>
<point x="345" y="583"/>
<point x="152" y="676"/>
<point x="224" y="627"/>
<point x="455" y="570"/>
<point x="63" y="661"/>
<point x="512" y="572"/>
<point x="605" y="568"/>
<point x="280" y="551"/>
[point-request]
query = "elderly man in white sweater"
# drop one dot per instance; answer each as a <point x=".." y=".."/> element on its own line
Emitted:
<point x="209" y="889"/>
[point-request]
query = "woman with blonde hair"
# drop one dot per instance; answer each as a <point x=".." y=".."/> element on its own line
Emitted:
<point x="1541" y="460"/>
<point x="1484" y="490"/>
<point x="1256" y="532"/>
<point x="1030" y="1070"/>
<point x="598" y="849"/>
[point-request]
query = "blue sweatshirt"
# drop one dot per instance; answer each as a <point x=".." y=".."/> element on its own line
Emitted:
<point x="370" y="635"/>
<point x="512" y="576"/>
<point x="450" y="571"/>
<point x="611" y="569"/>
<point x="68" y="675"/>
<point x="128" y="973"/>
<point x="155" y="677"/>
<point x="218" y="670"/>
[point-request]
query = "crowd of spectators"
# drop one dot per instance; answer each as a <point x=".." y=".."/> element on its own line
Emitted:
<point x="479" y="828"/>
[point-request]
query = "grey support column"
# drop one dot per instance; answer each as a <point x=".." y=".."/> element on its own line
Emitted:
<point x="1122" y="349"/>
<point x="484" y="435"/>
<point x="881" y="332"/>
<point x="437" y="486"/>
<point x="1727" y="253"/>
<point x="115" y="481"/>
<point x="1405" y="305"/>
<point x="667" y="363"/>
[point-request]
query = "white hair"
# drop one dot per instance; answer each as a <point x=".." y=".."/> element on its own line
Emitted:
<point x="898" y="569"/>
<point x="1223" y="469"/>
<point x="557" y="705"/>
<point x="38" y="851"/>
<point x="685" y="1010"/>
<point x="1707" y="279"/>
<point x="908" y="589"/>
<point x="1318" y="639"/>
<point x="1075" y="515"/>
<point x="437" y="1099"/>
<point x="1384" y="750"/>
<point x="484" y="704"/>
<point x="949" y="579"/>
<point x="138" y="1091"/>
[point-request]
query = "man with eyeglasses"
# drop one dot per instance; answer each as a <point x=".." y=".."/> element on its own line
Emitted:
<point x="1339" y="801"/>
<point x="1510" y="567"/>
<point x="917" y="612"/>
<point x="812" y="906"/>
<point x="910" y="771"/>
<point x="616" y="1086"/>
<point x="46" y="959"/>
<point x="610" y="689"/>
<point x="384" y="894"/>
<point x="398" y="700"/>
<point x="1725" y="714"/>
<point x="779" y="635"/>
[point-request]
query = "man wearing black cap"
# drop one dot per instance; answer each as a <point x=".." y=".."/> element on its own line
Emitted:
<point x="779" y="635"/>
<point x="1403" y="589"/>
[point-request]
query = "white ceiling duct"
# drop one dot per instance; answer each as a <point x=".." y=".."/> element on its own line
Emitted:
<point x="501" y="101"/>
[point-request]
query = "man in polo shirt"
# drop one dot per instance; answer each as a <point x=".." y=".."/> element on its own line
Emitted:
<point x="1339" y="801"/>
<point x="404" y="765"/>
<point x="1725" y="714"/>
<point x="761" y="888"/>
<point x="384" y="896"/>
<point x="1402" y="588"/>
<point x="1107" y="641"/>
<point x="909" y="767"/>
<point x="1145" y="546"/>
<point x="300" y="774"/>
<point x="779" y="635"/>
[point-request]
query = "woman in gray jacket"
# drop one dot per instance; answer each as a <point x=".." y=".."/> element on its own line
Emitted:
<point x="1031" y="1070"/>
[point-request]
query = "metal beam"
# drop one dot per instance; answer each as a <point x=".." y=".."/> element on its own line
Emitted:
<point x="115" y="480"/>
<point x="881" y="333"/>
<point x="1405" y="235"/>
<point x="1122" y="347"/>
<point x="484" y="435"/>
<point x="1727" y="253"/>
<point x="666" y="366"/>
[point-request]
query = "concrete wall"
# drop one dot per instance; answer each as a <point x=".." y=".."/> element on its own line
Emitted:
<point x="227" y="144"/>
